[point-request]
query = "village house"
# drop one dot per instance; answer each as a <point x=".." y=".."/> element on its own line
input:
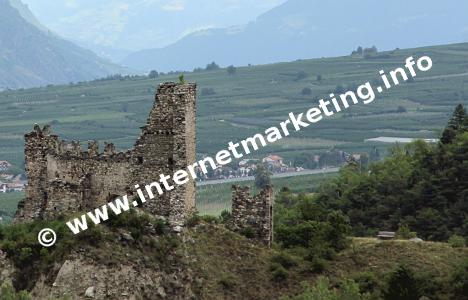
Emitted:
<point x="273" y="160"/>
<point x="12" y="187"/>
<point x="275" y="163"/>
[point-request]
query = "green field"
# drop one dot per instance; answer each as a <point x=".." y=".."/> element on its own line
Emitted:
<point x="8" y="205"/>
<point x="248" y="102"/>
<point x="212" y="199"/>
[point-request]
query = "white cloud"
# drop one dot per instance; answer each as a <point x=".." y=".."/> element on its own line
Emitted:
<point x="174" y="6"/>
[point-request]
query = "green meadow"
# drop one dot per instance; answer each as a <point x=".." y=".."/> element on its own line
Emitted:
<point x="213" y="199"/>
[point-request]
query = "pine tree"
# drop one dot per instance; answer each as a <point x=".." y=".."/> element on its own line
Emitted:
<point x="457" y="124"/>
<point x="402" y="285"/>
<point x="458" y="119"/>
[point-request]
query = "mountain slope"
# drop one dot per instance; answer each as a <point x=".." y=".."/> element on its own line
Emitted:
<point x="31" y="57"/>
<point x="26" y="14"/>
<point x="312" y="28"/>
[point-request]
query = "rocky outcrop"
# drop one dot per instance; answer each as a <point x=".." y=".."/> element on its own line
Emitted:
<point x="6" y="269"/>
<point x="81" y="278"/>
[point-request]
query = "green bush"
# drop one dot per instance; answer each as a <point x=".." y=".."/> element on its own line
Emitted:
<point x="279" y="273"/>
<point x="402" y="285"/>
<point x="137" y="223"/>
<point x="7" y="292"/>
<point x="210" y="219"/>
<point x="404" y="232"/>
<point x="457" y="241"/>
<point x="284" y="259"/>
<point x="306" y="91"/>
<point x="367" y="282"/>
<point x="248" y="232"/>
<point x="459" y="282"/>
<point x="318" y="265"/>
<point x="227" y="282"/>
<point x="193" y="220"/>
<point x="348" y="290"/>
<point x="225" y="216"/>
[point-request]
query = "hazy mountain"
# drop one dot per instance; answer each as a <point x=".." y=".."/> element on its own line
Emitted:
<point x="31" y="56"/>
<point x="314" y="28"/>
<point x="27" y="14"/>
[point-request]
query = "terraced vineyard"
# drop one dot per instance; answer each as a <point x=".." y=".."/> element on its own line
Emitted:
<point x="248" y="102"/>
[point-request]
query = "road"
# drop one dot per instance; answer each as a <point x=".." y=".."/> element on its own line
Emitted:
<point x="280" y="175"/>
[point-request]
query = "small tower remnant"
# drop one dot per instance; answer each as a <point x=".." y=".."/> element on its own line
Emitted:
<point x="253" y="215"/>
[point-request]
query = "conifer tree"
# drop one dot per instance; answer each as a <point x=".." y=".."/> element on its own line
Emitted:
<point x="457" y="124"/>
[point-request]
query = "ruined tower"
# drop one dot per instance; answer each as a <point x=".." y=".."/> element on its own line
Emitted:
<point x="63" y="178"/>
<point x="253" y="215"/>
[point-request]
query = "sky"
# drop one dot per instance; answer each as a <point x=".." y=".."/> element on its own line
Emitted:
<point x="142" y="24"/>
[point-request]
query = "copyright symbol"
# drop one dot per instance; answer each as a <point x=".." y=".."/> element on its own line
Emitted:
<point x="47" y="237"/>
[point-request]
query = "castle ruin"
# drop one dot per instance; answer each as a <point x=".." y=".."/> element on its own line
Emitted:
<point x="253" y="215"/>
<point x="63" y="178"/>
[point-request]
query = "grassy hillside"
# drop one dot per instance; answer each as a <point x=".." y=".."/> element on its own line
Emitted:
<point x="250" y="101"/>
<point x="233" y="269"/>
<point x="225" y="265"/>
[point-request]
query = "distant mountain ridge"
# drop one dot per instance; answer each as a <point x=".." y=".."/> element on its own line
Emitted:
<point x="312" y="28"/>
<point x="33" y="56"/>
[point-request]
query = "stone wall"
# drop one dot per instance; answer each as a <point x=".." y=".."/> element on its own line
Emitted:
<point x="253" y="215"/>
<point x="63" y="178"/>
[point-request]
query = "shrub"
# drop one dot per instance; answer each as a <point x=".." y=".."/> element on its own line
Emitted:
<point x="402" y="285"/>
<point x="231" y="70"/>
<point x="210" y="219"/>
<point x="153" y="74"/>
<point x="301" y="75"/>
<point x="349" y="290"/>
<point x="181" y="79"/>
<point x="306" y="91"/>
<point x="459" y="281"/>
<point x="7" y="292"/>
<point x="401" y="109"/>
<point x="457" y="241"/>
<point x="212" y="66"/>
<point x="321" y="290"/>
<point x="136" y="223"/>
<point x="404" y="232"/>
<point x="225" y="216"/>
<point x="227" y="282"/>
<point x="284" y="259"/>
<point x="366" y="281"/>
<point x="19" y="242"/>
<point x="318" y="265"/>
<point x="248" y="232"/>
<point x="279" y="273"/>
<point x="193" y="220"/>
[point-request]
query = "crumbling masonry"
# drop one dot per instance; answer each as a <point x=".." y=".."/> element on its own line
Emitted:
<point x="253" y="215"/>
<point x="63" y="178"/>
